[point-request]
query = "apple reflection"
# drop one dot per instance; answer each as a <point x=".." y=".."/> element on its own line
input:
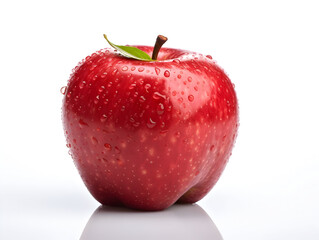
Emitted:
<point x="177" y="222"/>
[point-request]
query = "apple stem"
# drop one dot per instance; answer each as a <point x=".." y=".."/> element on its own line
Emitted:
<point x="160" y="40"/>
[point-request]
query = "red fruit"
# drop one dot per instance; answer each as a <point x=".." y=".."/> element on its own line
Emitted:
<point x="146" y="134"/>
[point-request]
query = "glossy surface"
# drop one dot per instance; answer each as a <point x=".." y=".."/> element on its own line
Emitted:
<point x="147" y="134"/>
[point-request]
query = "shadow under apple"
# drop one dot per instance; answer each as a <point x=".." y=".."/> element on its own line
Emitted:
<point x="177" y="222"/>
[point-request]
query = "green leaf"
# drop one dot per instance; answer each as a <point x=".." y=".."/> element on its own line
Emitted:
<point x="130" y="52"/>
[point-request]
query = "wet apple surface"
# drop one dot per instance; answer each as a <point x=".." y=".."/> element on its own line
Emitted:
<point x="146" y="134"/>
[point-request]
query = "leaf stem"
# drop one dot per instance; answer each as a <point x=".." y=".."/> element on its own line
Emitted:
<point x="160" y="40"/>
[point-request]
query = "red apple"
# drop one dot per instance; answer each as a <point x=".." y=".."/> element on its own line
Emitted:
<point x="147" y="134"/>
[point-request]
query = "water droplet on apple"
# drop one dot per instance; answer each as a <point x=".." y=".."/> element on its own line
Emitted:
<point x="191" y="98"/>
<point x="157" y="70"/>
<point x="94" y="141"/>
<point x="147" y="86"/>
<point x="179" y="76"/>
<point x="151" y="123"/>
<point x="142" y="99"/>
<point x="158" y="95"/>
<point x="96" y="100"/>
<point x="92" y="67"/>
<point x="177" y="61"/>
<point x="196" y="88"/>
<point x="114" y="71"/>
<point x="133" y="68"/>
<point x="117" y="150"/>
<point x="160" y="109"/>
<point x="140" y="69"/>
<point x="108" y="146"/>
<point x="174" y="93"/>
<point x="103" y="118"/>
<point x="233" y="85"/>
<point x="189" y="79"/>
<point x="124" y="68"/>
<point x="63" y="90"/>
<point x="81" y="85"/>
<point x="82" y="123"/>
<point x="132" y="86"/>
<point x="103" y="75"/>
<point x="136" y="124"/>
<point x="180" y="100"/>
<point x="167" y="73"/>
<point x="101" y="89"/>
<point x="163" y="132"/>
<point x="209" y="56"/>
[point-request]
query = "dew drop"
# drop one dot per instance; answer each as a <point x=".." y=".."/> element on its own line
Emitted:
<point x="174" y="93"/>
<point x="196" y="88"/>
<point x="191" y="98"/>
<point x="104" y="75"/>
<point x="163" y="132"/>
<point x="158" y="95"/>
<point x="63" y="90"/>
<point x="136" y="124"/>
<point x="117" y="150"/>
<point x="114" y="71"/>
<point x="133" y="68"/>
<point x="151" y="123"/>
<point x="179" y="76"/>
<point x="147" y="86"/>
<point x="103" y="118"/>
<point x="167" y="73"/>
<point x="81" y="85"/>
<point x="125" y="68"/>
<point x="101" y="89"/>
<point x="189" y="79"/>
<point x="142" y="99"/>
<point x="157" y="70"/>
<point x="132" y="86"/>
<point x="160" y="109"/>
<point x="108" y="146"/>
<point x="92" y="67"/>
<point x="96" y="100"/>
<point x="140" y="69"/>
<point x="82" y="123"/>
<point x="177" y="61"/>
<point x="180" y="100"/>
<point x="94" y="141"/>
<point x="209" y="56"/>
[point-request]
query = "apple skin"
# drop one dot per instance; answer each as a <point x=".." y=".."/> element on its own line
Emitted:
<point x="148" y="134"/>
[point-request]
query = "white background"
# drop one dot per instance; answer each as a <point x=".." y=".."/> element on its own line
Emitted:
<point x="270" y="50"/>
